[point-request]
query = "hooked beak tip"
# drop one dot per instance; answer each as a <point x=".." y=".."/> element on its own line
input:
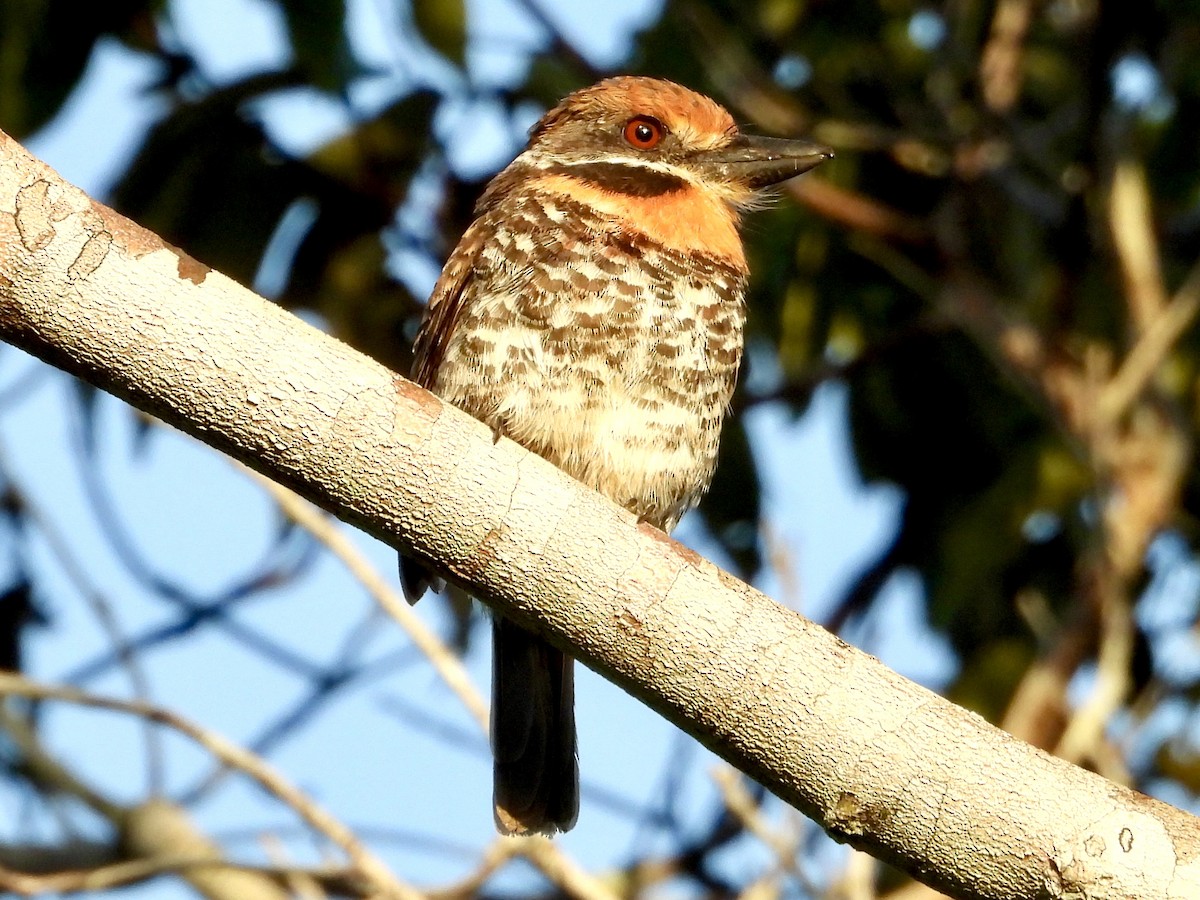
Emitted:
<point x="812" y="160"/>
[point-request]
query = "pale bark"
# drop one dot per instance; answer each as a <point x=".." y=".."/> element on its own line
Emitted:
<point x="879" y="761"/>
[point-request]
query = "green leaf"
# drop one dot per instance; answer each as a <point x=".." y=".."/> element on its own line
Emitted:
<point x="318" y="34"/>
<point x="45" y="47"/>
<point x="443" y="25"/>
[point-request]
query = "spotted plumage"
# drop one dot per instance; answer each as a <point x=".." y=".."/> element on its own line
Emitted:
<point x="593" y="313"/>
<point x="624" y="386"/>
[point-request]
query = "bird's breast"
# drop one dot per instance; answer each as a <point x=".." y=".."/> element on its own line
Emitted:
<point x="688" y="220"/>
<point x="614" y="357"/>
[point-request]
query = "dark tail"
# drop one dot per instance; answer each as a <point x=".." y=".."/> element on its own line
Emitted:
<point x="536" y="774"/>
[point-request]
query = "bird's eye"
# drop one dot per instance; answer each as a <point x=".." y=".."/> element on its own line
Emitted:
<point x="643" y="132"/>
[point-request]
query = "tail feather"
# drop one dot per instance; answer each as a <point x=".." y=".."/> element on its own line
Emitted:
<point x="536" y="773"/>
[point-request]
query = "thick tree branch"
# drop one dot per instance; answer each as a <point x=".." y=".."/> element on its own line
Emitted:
<point x="879" y="761"/>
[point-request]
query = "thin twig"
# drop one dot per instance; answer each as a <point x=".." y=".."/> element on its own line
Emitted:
<point x="102" y="609"/>
<point x="47" y="773"/>
<point x="233" y="755"/>
<point x="1151" y="350"/>
<point x="23" y="386"/>
<point x="1000" y="62"/>
<point x="561" y="869"/>
<point x="553" y="863"/>
<point x="746" y="809"/>
<point x="325" y="530"/>
<point x="857" y="881"/>
<point x="121" y="874"/>
<point x="1084" y="733"/>
<point x="1131" y="221"/>
<point x="194" y="609"/>
<point x="493" y="857"/>
<point x="857" y="211"/>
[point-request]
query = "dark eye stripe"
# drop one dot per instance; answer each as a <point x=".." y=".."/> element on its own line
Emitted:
<point x="623" y="178"/>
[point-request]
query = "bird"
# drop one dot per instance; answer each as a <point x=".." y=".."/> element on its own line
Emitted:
<point x="593" y="312"/>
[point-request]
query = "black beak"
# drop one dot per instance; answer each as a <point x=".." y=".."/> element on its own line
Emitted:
<point x="759" y="161"/>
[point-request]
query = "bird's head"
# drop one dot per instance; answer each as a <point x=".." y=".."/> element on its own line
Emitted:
<point x="648" y="137"/>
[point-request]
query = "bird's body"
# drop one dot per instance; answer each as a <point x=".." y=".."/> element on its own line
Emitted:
<point x="593" y="313"/>
<point x="624" y="386"/>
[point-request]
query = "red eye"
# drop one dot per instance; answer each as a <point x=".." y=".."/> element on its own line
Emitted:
<point x="643" y="132"/>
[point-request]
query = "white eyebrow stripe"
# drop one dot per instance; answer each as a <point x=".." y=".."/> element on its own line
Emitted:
<point x="540" y="161"/>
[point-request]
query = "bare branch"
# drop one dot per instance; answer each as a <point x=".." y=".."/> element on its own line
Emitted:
<point x="236" y="881"/>
<point x="1131" y="220"/>
<point x="440" y="656"/>
<point x="1153" y="346"/>
<point x="1000" y="65"/>
<point x="233" y="756"/>
<point x="102" y="609"/>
